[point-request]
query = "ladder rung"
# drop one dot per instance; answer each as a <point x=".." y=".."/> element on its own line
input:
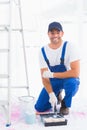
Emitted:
<point x="4" y="2"/>
<point x="4" y="76"/>
<point x="17" y="29"/>
<point x="4" y="50"/>
<point x="4" y="27"/>
<point x="3" y="102"/>
<point x="7" y="29"/>
<point x="14" y="87"/>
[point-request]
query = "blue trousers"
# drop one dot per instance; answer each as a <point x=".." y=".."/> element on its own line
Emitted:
<point x="70" y="85"/>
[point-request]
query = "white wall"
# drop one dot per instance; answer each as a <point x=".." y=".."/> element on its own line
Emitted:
<point x="36" y="17"/>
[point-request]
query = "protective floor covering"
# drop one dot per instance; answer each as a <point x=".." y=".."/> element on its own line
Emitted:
<point x="77" y="119"/>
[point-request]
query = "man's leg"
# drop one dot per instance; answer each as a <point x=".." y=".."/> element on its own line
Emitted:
<point x="42" y="103"/>
<point x="58" y="88"/>
<point x="71" y="88"/>
<point x="59" y="96"/>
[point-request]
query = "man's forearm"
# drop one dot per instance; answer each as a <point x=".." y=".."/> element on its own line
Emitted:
<point x="47" y="85"/>
<point x="66" y="74"/>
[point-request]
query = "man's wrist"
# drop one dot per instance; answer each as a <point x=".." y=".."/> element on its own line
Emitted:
<point x="51" y="93"/>
<point x="51" y="76"/>
<point x="47" y="74"/>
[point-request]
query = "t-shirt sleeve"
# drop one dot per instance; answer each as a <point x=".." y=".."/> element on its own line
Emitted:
<point x="74" y="53"/>
<point x="42" y="61"/>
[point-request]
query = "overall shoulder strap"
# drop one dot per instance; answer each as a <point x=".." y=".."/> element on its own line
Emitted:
<point x="44" y="55"/>
<point x="63" y="53"/>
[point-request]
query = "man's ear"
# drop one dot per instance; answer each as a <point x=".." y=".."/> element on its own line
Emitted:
<point x="62" y="33"/>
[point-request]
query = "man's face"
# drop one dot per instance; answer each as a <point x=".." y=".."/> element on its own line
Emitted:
<point x="55" y="35"/>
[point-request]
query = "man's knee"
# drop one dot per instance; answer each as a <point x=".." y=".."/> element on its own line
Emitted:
<point x="40" y="107"/>
<point x="42" y="103"/>
<point x="71" y="85"/>
<point x="71" y="82"/>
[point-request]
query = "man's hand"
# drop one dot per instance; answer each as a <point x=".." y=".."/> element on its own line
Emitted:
<point x="47" y="74"/>
<point x="53" y="100"/>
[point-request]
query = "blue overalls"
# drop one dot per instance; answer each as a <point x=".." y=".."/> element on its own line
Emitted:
<point x="70" y="85"/>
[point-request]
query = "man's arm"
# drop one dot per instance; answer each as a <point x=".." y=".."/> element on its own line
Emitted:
<point x="74" y="72"/>
<point x="48" y="87"/>
<point x="46" y="81"/>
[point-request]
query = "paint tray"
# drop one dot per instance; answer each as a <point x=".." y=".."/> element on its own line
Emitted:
<point x="52" y="119"/>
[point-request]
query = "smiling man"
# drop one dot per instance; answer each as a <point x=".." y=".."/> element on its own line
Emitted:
<point x="60" y="69"/>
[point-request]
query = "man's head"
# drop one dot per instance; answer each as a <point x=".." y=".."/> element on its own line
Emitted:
<point x="56" y="26"/>
<point x="55" y="32"/>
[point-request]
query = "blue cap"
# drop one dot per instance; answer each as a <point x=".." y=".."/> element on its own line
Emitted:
<point x="55" y="25"/>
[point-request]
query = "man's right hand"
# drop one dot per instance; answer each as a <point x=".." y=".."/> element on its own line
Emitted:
<point x="53" y="100"/>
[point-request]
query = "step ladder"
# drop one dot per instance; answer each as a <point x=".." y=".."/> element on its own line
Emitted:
<point x="6" y="105"/>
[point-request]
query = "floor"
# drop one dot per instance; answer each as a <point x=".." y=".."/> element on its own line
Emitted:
<point x="77" y="119"/>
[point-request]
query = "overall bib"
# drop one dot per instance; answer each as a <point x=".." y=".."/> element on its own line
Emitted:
<point x="70" y="85"/>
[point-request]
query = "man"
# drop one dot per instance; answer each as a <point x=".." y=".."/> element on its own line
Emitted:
<point x="60" y="69"/>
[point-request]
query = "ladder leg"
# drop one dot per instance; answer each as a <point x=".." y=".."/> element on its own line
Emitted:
<point x="9" y="66"/>
<point x="23" y="42"/>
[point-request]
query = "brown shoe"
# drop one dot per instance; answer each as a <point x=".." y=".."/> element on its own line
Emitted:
<point x="59" y="97"/>
<point x="64" y="110"/>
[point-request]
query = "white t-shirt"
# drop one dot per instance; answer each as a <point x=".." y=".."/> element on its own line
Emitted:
<point x="53" y="55"/>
